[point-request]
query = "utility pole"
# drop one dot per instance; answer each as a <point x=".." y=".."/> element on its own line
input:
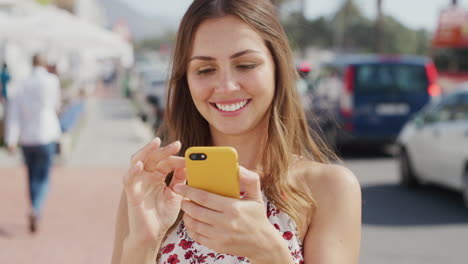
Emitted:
<point x="379" y="28"/>
<point x="340" y="31"/>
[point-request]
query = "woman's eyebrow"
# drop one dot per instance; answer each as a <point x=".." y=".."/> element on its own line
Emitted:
<point x="241" y="53"/>
<point x="235" y="55"/>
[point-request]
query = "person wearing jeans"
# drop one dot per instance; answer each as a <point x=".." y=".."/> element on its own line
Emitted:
<point x="38" y="161"/>
<point x="33" y="123"/>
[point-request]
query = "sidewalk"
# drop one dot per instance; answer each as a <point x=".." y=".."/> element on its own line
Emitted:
<point x="79" y="215"/>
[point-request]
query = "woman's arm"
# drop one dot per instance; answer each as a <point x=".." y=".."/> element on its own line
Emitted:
<point x="334" y="232"/>
<point x="126" y="250"/>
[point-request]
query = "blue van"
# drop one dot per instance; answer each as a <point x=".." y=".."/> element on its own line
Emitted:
<point x="366" y="99"/>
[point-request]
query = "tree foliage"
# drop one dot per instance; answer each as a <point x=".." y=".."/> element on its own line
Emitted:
<point x="155" y="43"/>
<point x="349" y="30"/>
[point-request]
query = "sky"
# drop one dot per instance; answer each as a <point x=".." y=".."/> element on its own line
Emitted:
<point x="413" y="13"/>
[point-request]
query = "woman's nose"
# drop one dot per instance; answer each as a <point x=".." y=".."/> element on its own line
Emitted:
<point x="227" y="82"/>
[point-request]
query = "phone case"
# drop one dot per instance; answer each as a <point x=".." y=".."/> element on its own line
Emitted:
<point x="218" y="173"/>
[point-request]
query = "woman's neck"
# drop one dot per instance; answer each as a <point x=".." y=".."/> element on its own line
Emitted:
<point x="250" y="146"/>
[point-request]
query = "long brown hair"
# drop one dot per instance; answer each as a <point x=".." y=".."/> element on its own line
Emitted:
<point x="288" y="130"/>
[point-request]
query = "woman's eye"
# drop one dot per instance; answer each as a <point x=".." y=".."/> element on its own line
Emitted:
<point x="246" y="66"/>
<point x="205" y="71"/>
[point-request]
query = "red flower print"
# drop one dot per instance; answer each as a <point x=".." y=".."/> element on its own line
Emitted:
<point x="296" y="254"/>
<point x="241" y="258"/>
<point x="185" y="244"/>
<point x="173" y="259"/>
<point x="201" y="259"/>
<point x="211" y="255"/>
<point x="301" y="262"/>
<point x="287" y="235"/>
<point x="277" y="226"/>
<point x="167" y="249"/>
<point x="188" y="254"/>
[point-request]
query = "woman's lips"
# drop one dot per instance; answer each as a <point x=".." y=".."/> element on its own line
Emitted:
<point x="232" y="106"/>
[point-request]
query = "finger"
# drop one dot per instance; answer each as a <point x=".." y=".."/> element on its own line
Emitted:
<point x="199" y="238"/>
<point x="152" y="160"/>
<point x="250" y="184"/>
<point x="179" y="177"/>
<point x="169" y="164"/>
<point x="206" y="199"/>
<point x="200" y="213"/>
<point x="146" y="150"/>
<point x="198" y="227"/>
<point x="133" y="173"/>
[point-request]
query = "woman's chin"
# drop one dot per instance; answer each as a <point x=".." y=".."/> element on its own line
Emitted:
<point x="231" y="129"/>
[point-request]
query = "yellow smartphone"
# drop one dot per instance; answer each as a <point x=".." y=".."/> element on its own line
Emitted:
<point x="213" y="169"/>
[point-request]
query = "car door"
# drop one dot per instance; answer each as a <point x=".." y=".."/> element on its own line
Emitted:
<point x="386" y="95"/>
<point x="427" y="144"/>
<point x="453" y="137"/>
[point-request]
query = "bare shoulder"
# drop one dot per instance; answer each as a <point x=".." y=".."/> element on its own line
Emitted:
<point x="334" y="229"/>
<point x="324" y="179"/>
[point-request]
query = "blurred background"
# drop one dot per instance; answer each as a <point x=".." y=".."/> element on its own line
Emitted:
<point x="383" y="82"/>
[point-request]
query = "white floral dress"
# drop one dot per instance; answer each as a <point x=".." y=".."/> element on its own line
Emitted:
<point x="180" y="248"/>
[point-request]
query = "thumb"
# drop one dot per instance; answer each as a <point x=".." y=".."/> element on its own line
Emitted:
<point x="250" y="184"/>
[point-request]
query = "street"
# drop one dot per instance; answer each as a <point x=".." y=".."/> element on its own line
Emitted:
<point x="428" y="225"/>
<point x="78" y="220"/>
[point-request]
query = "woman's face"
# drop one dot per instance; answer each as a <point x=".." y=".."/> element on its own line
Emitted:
<point x="231" y="75"/>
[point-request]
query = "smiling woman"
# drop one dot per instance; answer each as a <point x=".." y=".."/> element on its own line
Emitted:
<point x="233" y="84"/>
<point x="231" y="79"/>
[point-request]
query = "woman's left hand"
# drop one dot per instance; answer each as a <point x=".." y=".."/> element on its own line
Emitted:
<point x="227" y="225"/>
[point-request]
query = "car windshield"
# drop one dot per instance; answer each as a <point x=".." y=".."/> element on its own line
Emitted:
<point x="453" y="60"/>
<point x="390" y="78"/>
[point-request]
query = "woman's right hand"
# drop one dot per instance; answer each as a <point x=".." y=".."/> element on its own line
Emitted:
<point x="153" y="207"/>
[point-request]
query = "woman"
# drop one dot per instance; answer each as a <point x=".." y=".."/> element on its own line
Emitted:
<point x="233" y="84"/>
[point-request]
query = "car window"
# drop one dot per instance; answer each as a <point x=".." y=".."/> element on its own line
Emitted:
<point x="391" y="78"/>
<point x="460" y="110"/>
<point x="443" y="110"/>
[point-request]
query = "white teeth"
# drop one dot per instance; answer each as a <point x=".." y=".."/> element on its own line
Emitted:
<point x="232" y="107"/>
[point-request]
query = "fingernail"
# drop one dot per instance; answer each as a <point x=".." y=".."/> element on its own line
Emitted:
<point x="137" y="166"/>
<point x="156" y="141"/>
<point x="243" y="170"/>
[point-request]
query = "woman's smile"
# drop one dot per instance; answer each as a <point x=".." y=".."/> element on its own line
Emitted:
<point x="232" y="107"/>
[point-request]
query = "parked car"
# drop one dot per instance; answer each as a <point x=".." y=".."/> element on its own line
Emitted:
<point x="366" y="99"/>
<point x="150" y="95"/>
<point x="434" y="144"/>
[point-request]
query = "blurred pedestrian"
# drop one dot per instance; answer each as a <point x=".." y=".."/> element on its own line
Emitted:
<point x="4" y="83"/>
<point x="33" y="123"/>
<point x="4" y="80"/>
<point x="233" y="83"/>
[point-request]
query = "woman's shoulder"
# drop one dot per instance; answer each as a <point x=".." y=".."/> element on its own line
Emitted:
<point x="321" y="179"/>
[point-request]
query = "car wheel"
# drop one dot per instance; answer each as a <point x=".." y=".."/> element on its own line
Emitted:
<point x="407" y="175"/>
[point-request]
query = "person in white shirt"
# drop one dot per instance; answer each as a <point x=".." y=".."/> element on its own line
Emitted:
<point x="33" y="123"/>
